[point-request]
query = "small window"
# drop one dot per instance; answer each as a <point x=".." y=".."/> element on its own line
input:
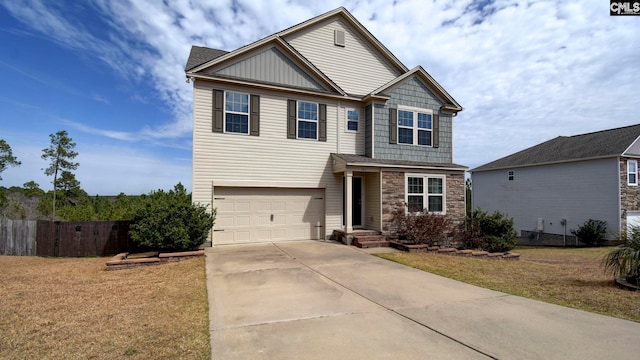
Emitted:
<point x="236" y="112"/>
<point x="425" y="193"/>
<point x="415" y="127"/>
<point x="511" y="175"/>
<point x="352" y="119"/>
<point x="632" y="172"/>
<point x="307" y="120"/>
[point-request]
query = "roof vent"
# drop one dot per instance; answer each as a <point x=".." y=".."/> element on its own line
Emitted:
<point x="338" y="37"/>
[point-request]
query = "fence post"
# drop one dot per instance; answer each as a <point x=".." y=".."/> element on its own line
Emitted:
<point x="56" y="244"/>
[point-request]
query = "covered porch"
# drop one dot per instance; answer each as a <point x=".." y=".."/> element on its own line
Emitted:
<point x="373" y="189"/>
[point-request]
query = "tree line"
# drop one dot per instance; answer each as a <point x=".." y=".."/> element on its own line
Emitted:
<point x="66" y="200"/>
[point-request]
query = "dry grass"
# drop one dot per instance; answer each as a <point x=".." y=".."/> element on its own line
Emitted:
<point x="71" y="308"/>
<point x="569" y="277"/>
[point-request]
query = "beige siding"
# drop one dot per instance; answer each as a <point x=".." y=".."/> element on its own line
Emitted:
<point x="372" y="201"/>
<point x="268" y="160"/>
<point x="343" y="65"/>
<point x="351" y="142"/>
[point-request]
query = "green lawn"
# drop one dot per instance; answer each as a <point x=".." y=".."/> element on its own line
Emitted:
<point x="571" y="277"/>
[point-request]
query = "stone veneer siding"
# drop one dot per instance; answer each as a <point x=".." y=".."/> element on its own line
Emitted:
<point x="393" y="191"/>
<point x="629" y="195"/>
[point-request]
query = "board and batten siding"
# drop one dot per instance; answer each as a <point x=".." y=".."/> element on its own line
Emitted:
<point x="344" y="65"/>
<point x="268" y="160"/>
<point x="575" y="191"/>
<point x="270" y="66"/>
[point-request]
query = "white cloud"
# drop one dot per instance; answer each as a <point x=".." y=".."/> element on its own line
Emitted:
<point x="525" y="71"/>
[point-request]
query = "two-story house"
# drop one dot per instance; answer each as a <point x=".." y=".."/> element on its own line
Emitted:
<point x="317" y="128"/>
<point x="552" y="188"/>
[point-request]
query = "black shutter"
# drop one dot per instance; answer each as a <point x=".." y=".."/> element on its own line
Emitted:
<point x="218" y="111"/>
<point x="322" y="122"/>
<point x="436" y="130"/>
<point x="393" y="126"/>
<point x="291" y="119"/>
<point x="254" y="117"/>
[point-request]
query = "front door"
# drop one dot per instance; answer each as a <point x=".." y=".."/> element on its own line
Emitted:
<point x="357" y="201"/>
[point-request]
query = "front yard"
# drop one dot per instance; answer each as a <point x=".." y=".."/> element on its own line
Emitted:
<point x="564" y="276"/>
<point x="70" y="308"/>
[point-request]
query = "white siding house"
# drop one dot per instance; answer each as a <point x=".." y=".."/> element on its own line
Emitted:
<point x="552" y="188"/>
<point x="283" y="147"/>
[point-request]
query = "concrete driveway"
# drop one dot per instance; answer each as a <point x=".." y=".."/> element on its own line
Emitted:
<point x="323" y="300"/>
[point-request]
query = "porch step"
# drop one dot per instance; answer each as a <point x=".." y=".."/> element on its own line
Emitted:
<point x="370" y="241"/>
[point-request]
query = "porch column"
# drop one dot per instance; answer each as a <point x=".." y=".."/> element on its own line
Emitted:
<point x="348" y="221"/>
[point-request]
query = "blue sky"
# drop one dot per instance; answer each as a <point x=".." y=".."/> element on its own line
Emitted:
<point x="111" y="74"/>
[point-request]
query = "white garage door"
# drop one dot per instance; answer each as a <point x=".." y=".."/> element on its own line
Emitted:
<point x="267" y="214"/>
<point x="633" y="219"/>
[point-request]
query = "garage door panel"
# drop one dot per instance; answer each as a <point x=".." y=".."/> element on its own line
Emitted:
<point x="268" y="214"/>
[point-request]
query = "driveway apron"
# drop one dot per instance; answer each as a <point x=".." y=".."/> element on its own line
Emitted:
<point x="324" y="300"/>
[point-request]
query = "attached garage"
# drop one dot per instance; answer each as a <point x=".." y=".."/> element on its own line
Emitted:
<point x="249" y="215"/>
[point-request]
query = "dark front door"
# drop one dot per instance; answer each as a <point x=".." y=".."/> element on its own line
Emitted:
<point x="357" y="201"/>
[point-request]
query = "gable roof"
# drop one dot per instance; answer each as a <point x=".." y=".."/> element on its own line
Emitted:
<point x="341" y="12"/>
<point x="200" y="55"/>
<point x="450" y="103"/>
<point x="199" y="70"/>
<point x="346" y="15"/>
<point x="595" y="145"/>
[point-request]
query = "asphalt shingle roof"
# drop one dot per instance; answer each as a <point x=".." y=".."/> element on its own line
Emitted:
<point x="349" y="158"/>
<point x="600" y="144"/>
<point x="200" y="55"/>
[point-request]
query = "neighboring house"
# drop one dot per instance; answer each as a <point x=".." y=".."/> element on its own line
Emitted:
<point x="318" y="128"/>
<point x="554" y="187"/>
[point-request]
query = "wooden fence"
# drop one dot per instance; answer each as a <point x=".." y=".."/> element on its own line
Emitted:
<point x="17" y="237"/>
<point x="45" y="238"/>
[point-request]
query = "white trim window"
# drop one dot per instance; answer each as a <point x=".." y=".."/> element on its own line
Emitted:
<point x="511" y="175"/>
<point x="236" y="112"/>
<point x="425" y="193"/>
<point x="353" y="119"/>
<point x="307" y="119"/>
<point x="632" y="172"/>
<point x="415" y="126"/>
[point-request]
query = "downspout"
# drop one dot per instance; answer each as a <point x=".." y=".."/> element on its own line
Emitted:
<point x="373" y="132"/>
<point x="338" y="128"/>
<point x="620" y="213"/>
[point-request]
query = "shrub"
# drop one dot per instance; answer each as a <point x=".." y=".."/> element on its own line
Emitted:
<point x="592" y="232"/>
<point x="624" y="260"/>
<point x="168" y="221"/>
<point x="423" y="228"/>
<point x="495" y="230"/>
